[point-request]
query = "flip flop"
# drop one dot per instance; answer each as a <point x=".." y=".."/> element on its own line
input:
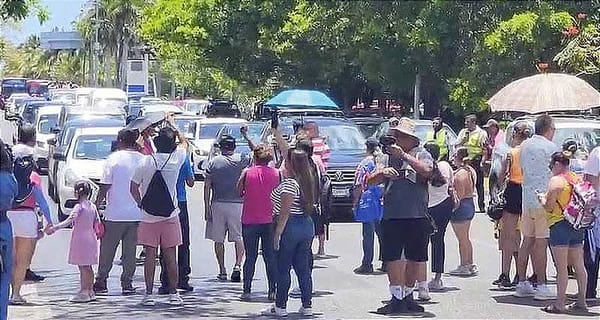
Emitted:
<point x="553" y="309"/>
<point x="17" y="301"/>
<point x="575" y="307"/>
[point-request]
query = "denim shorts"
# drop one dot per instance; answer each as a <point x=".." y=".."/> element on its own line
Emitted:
<point x="465" y="211"/>
<point x="562" y="234"/>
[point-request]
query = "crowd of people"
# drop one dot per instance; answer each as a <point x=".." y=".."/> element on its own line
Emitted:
<point x="407" y="192"/>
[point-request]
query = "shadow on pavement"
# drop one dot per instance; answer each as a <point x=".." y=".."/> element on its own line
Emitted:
<point x="410" y="315"/>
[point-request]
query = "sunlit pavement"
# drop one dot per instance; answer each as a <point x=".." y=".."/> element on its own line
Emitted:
<point x="339" y="292"/>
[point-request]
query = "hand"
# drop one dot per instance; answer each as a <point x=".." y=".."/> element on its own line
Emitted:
<point x="390" y="172"/>
<point x="49" y="229"/>
<point x="396" y="151"/>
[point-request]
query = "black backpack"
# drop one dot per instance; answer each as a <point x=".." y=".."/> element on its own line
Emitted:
<point x="157" y="201"/>
<point x="22" y="169"/>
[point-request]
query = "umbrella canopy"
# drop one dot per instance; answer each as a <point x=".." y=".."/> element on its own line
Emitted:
<point x="546" y="92"/>
<point x="141" y="123"/>
<point x="302" y="98"/>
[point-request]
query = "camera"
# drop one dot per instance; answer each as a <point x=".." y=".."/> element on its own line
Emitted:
<point x="385" y="142"/>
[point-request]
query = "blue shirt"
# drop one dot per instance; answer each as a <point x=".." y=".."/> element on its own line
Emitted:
<point x="184" y="173"/>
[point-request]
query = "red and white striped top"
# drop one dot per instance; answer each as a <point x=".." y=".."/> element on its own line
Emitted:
<point x="321" y="150"/>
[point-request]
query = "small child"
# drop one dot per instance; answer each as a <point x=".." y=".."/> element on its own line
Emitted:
<point x="83" y="249"/>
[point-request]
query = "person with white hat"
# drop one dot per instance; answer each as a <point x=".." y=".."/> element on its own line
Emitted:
<point x="405" y="226"/>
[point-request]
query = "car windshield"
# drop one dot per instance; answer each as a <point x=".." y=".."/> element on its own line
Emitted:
<point x="254" y="131"/>
<point x="589" y="138"/>
<point x="343" y="137"/>
<point x="195" y="107"/>
<point x="368" y="129"/>
<point x="187" y="127"/>
<point x="93" y="147"/>
<point x="209" y="130"/>
<point x="72" y="116"/>
<point x="47" y="122"/>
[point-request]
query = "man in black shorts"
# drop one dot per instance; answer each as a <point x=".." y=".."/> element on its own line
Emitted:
<point x="405" y="225"/>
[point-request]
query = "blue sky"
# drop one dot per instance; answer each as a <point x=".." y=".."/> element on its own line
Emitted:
<point x="62" y="13"/>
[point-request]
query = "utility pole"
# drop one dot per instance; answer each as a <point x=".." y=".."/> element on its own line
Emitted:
<point x="95" y="46"/>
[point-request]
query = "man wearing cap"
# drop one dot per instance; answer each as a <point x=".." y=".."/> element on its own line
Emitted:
<point x="122" y="215"/>
<point x="405" y="228"/>
<point x="474" y="138"/>
<point x="495" y="137"/>
<point x="223" y="204"/>
<point x="440" y="137"/>
<point x="369" y="213"/>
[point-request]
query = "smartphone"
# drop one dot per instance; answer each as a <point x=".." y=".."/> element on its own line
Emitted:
<point x="274" y="119"/>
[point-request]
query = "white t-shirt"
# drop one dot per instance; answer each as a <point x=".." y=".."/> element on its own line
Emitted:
<point x="118" y="171"/>
<point x="437" y="195"/>
<point x="592" y="165"/>
<point x="170" y="172"/>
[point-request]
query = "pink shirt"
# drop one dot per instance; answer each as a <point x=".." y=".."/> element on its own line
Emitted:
<point x="259" y="183"/>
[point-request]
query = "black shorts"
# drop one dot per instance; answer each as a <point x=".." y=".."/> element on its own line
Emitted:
<point x="513" y="197"/>
<point x="405" y="238"/>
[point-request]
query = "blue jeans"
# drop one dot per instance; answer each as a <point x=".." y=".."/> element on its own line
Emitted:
<point x="6" y="250"/>
<point x="369" y="229"/>
<point x="295" y="250"/>
<point x="251" y="234"/>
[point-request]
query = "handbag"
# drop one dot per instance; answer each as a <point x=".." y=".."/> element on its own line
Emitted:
<point x="370" y="203"/>
<point x="498" y="198"/>
<point x="99" y="228"/>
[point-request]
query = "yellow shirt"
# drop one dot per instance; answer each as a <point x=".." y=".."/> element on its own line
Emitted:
<point x="556" y="215"/>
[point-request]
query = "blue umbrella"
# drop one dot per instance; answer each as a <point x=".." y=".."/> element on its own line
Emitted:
<point x="302" y="98"/>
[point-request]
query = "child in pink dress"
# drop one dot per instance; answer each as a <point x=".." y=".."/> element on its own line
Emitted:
<point x="83" y="249"/>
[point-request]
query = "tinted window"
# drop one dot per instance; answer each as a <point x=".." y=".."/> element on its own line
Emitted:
<point x="187" y="127"/>
<point x="93" y="147"/>
<point x="233" y="130"/>
<point x="47" y="122"/>
<point x="208" y="131"/>
<point x="342" y="137"/>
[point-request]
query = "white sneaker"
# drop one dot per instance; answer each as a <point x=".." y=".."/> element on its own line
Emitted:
<point x="175" y="299"/>
<point x="274" y="311"/>
<point x="307" y="312"/>
<point x="462" y="271"/>
<point x="544" y="293"/>
<point x="524" y="289"/>
<point x="424" y="294"/>
<point x="148" y="300"/>
<point x="80" y="298"/>
<point x="436" y="285"/>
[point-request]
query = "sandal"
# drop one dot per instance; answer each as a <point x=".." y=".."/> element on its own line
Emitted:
<point x="553" y="309"/>
<point x="577" y="308"/>
<point x="222" y="277"/>
<point x="19" y="301"/>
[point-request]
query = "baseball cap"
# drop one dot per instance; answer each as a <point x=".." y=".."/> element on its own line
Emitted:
<point x="372" y="143"/>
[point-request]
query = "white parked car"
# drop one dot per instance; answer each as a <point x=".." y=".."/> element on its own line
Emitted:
<point x="84" y="159"/>
<point x="108" y="96"/>
<point x="160" y="107"/>
<point x="197" y="107"/>
<point x="45" y="121"/>
<point x="201" y="133"/>
<point x="83" y="96"/>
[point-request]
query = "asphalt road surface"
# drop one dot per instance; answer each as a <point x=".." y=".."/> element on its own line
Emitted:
<point x="340" y="294"/>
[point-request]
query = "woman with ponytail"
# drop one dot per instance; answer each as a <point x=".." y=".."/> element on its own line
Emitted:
<point x="441" y="202"/>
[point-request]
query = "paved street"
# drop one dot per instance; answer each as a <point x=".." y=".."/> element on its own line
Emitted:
<point x="339" y="292"/>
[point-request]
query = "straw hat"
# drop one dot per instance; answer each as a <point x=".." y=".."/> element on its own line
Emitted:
<point x="407" y="126"/>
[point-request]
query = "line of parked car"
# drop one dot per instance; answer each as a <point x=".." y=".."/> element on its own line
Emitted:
<point x="77" y="127"/>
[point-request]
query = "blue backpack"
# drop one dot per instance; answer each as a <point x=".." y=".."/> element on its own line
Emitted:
<point x="370" y="204"/>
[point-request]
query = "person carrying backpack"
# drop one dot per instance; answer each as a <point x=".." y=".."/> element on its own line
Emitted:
<point x="566" y="242"/>
<point x="22" y="216"/>
<point x="8" y="192"/>
<point x="153" y="188"/>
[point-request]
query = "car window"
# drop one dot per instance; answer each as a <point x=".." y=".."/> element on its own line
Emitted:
<point x="72" y="116"/>
<point x="587" y="137"/>
<point x="93" y="147"/>
<point x="209" y="130"/>
<point x="187" y="127"/>
<point x="343" y="137"/>
<point x="47" y="122"/>
<point x="233" y="130"/>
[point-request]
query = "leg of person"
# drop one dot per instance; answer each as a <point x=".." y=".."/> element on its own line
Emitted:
<point x="465" y="248"/>
<point x="301" y="263"/>
<point x="562" y="278"/>
<point x="183" y="251"/>
<point x="250" y="236"/>
<point x="128" y="247"/>
<point x="540" y="253"/>
<point x="368" y="239"/>
<point x="217" y="234"/>
<point x="393" y="238"/>
<point x="285" y="256"/>
<point x="509" y="245"/>
<point x="479" y="184"/>
<point x="441" y="215"/>
<point x="575" y="259"/>
<point x="377" y="227"/>
<point x="234" y="230"/>
<point x="591" y="262"/>
<point x="113" y="232"/>
<point x="149" y="269"/>
<point x="164" y="274"/>
<point x="6" y="251"/>
<point x="268" y="253"/>
<point x="416" y="265"/>
<point x="23" y="254"/>
<point x="524" y="288"/>
<point x="170" y="239"/>
<point x="321" y="249"/>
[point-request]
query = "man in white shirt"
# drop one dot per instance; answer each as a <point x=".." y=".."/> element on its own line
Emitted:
<point x="160" y="229"/>
<point x="122" y="215"/>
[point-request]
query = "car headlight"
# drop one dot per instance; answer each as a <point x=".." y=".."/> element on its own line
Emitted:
<point x="71" y="178"/>
<point x="201" y="152"/>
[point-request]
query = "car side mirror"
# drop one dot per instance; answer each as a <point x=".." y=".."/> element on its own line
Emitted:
<point x="59" y="156"/>
<point x="52" y="141"/>
<point x="55" y="130"/>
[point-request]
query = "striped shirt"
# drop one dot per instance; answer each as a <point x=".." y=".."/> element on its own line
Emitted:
<point x="322" y="150"/>
<point x="289" y="186"/>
